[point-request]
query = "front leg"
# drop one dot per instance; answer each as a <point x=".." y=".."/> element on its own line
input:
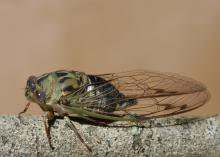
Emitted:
<point x="25" y="109"/>
<point x="49" y="119"/>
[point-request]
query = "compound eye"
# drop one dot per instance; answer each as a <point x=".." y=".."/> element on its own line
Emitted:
<point x="31" y="83"/>
<point x="32" y="86"/>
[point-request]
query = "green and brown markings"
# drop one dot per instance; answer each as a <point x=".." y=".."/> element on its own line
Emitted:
<point x="127" y="96"/>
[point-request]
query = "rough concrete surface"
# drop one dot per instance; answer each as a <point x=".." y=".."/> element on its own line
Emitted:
<point x="165" y="137"/>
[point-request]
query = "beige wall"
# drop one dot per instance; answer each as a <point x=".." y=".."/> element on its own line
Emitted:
<point x="107" y="36"/>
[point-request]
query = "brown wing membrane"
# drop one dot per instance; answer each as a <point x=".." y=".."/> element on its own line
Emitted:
<point x="156" y="94"/>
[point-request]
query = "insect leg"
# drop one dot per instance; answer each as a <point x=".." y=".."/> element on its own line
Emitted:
<point x="25" y="109"/>
<point x="72" y="127"/>
<point x="48" y="117"/>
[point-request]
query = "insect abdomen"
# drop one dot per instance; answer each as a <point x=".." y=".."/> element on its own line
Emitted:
<point x="109" y="98"/>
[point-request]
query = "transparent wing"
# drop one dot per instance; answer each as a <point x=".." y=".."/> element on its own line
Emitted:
<point x="147" y="94"/>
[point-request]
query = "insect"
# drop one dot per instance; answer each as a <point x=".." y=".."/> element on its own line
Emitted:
<point x="125" y="96"/>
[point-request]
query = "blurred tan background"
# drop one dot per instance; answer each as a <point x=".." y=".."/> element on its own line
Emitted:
<point x="108" y="36"/>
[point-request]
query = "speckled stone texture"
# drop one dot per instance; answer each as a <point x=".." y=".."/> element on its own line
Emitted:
<point x="167" y="137"/>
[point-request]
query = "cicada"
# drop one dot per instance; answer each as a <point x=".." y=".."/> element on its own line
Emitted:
<point x="125" y="96"/>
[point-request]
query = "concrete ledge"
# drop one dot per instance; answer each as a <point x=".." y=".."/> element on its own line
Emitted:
<point x="173" y="136"/>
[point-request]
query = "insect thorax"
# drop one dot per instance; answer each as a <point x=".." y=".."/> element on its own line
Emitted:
<point x="60" y="83"/>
